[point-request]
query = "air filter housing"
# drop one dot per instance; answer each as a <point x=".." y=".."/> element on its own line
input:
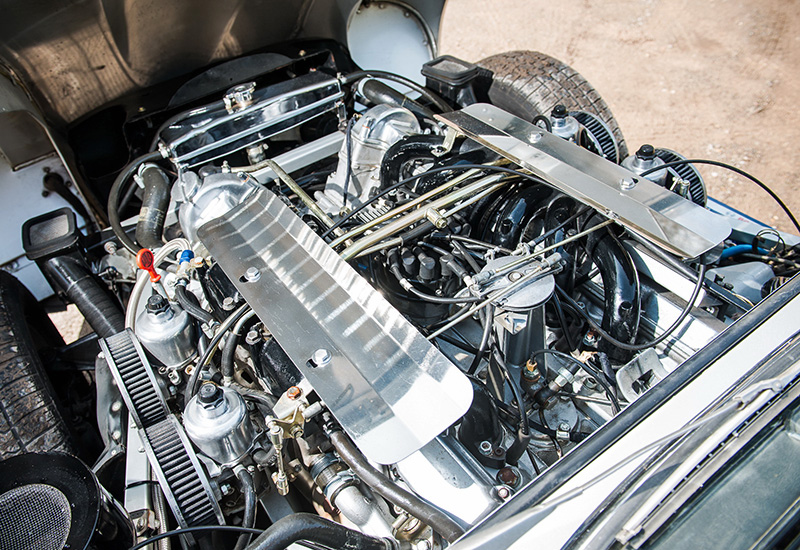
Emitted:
<point x="53" y="501"/>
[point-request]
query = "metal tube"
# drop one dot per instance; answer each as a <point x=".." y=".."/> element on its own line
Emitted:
<point x="403" y="207"/>
<point x="302" y="195"/>
<point x="417" y="215"/>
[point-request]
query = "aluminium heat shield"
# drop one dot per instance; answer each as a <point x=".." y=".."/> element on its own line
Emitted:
<point x="389" y="388"/>
<point x="655" y="213"/>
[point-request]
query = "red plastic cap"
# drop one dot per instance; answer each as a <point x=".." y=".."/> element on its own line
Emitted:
<point x="146" y="261"/>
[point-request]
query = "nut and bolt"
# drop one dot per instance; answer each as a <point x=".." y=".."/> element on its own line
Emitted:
<point x="228" y="303"/>
<point x="503" y="493"/>
<point x="116" y="406"/>
<point x="294" y="392"/>
<point x="590" y="383"/>
<point x="564" y="426"/>
<point x="508" y="476"/>
<point x="531" y="372"/>
<point x="590" y="339"/>
<point x="321" y="357"/>
<point x="485" y="448"/>
<point x="296" y="432"/>
<point x="110" y="247"/>
<point x="226" y="489"/>
<point x="253" y="337"/>
<point x="252" y="274"/>
<point x="626" y="184"/>
<point x="422" y="545"/>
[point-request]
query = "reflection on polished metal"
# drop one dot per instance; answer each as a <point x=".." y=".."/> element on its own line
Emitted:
<point x="382" y="375"/>
<point x="657" y="214"/>
<point x="206" y="134"/>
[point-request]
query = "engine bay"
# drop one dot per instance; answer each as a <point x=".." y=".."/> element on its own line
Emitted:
<point x="388" y="309"/>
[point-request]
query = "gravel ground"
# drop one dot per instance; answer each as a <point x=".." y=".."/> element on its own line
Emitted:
<point x="718" y="79"/>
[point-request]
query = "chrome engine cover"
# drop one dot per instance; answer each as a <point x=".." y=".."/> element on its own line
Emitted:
<point x="373" y="369"/>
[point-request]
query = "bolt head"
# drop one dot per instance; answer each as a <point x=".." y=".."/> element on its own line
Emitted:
<point x="252" y="337"/>
<point x="294" y="392"/>
<point x="485" y="448"/>
<point x="252" y="274"/>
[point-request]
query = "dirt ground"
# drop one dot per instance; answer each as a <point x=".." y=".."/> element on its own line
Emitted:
<point x="715" y="79"/>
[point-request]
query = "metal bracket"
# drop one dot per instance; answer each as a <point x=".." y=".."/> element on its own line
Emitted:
<point x="642" y="206"/>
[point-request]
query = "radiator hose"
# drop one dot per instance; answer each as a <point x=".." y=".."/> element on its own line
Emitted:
<point x="99" y="309"/>
<point x="312" y="528"/>
<point x="155" y="202"/>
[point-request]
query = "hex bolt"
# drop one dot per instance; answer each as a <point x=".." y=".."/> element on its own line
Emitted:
<point x="626" y="184"/>
<point x="226" y="489"/>
<point x="503" y="492"/>
<point x="485" y="448"/>
<point x="508" y="476"/>
<point x="228" y="303"/>
<point x="252" y="274"/>
<point x="253" y="337"/>
<point x="110" y="247"/>
<point x="294" y="392"/>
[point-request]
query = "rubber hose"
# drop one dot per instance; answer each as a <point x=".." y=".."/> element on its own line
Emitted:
<point x="405" y="150"/>
<point x="228" y="354"/>
<point x="389" y="490"/>
<point x="312" y="528"/>
<point x="155" y="202"/>
<point x="114" y="196"/>
<point x="440" y="103"/>
<point x="487" y="318"/>
<point x="622" y="308"/>
<point x="191" y="306"/>
<point x="378" y="93"/>
<point x="248" y="489"/>
<point x="74" y="277"/>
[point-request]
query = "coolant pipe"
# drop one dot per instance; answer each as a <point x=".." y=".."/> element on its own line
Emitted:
<point x="248" y="489"/>
<point x="621" y="303"/>
<point x="377" y="92"/>
<point x="385" y="487"/>
<point x="74" y="277"/>
<point x="312" y="528"/>
<point x="741" y="249"/>
<point x="155" y="202"/>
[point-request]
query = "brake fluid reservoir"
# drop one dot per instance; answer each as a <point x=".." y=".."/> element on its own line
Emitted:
<point x="166" y="331"/>
<point x="216" y="421"/>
